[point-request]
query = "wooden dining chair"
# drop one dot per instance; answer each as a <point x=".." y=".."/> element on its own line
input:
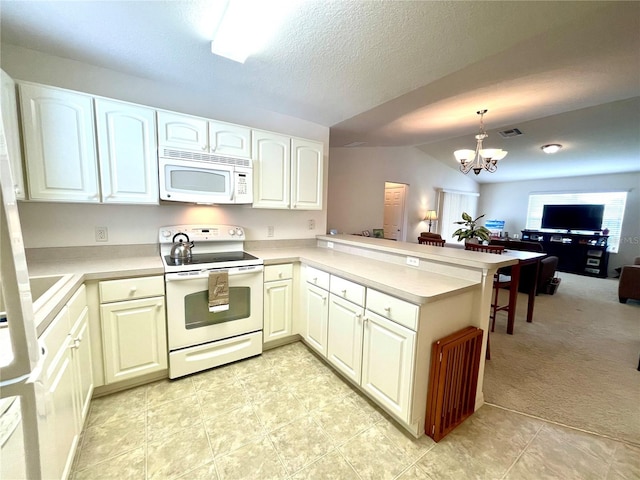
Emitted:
<point x="500" y="280"/>
<point x="438" y="242"/>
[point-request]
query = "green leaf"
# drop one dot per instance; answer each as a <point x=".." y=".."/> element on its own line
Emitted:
<point x="466" y="217"/>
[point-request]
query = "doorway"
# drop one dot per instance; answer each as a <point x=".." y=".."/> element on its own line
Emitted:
<point x="395" y="195"/>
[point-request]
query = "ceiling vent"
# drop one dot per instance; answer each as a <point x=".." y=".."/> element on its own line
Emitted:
<point x="513" y="132"/>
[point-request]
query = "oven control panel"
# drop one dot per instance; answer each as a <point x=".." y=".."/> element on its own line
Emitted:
<point x="202" y="233"/>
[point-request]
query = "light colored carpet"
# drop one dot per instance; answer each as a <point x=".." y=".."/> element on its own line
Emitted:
<point x="576" y="364"/>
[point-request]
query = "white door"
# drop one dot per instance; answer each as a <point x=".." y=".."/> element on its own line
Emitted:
<point x="344" y="340"/>
<point x="307" y="159"/>
<point x="387" y="363"/>
<point x="59" y="141"/>
<point x="317" y="315"/>
<point x="271" y="169"/>
<point x="277" y="309"/>
<point x="134" y="338"/>
<point x="393" y="222"/>
<point x="229" y="139"/>
<point x="127" y="152"/>
<point x="183" y="131"/>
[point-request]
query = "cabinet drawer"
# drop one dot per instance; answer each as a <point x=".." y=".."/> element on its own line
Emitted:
<point x="348" y="290"/>
<point x="77" y="304"/>
<point x="317" y="277"/>
<point x="278" y="272"/>
<point x="130" y="288"/>
<point x="393" y="308"/>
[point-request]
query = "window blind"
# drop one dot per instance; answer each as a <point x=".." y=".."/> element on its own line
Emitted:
<point x="614" y="205"/>
<point x="452" y="204"/>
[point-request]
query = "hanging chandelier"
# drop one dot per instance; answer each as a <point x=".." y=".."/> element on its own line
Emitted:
<point x="481" y="158"/>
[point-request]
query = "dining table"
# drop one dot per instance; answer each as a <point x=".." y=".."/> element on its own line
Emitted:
<point x="525" y="259"/>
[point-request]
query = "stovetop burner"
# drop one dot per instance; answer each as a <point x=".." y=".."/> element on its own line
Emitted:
<point x="212" y="258"/>
<point x="215" y="246"/>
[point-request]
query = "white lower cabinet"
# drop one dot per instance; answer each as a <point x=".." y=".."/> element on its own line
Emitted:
<point x="344" y="339"/>
<point x="134" y="334"/>
<point x="317" y="316"/>
<point x="278" y="302"/>
<point x="67" y="385"/>
<point x="387" y="363"/>
<point x="373" y="347"/>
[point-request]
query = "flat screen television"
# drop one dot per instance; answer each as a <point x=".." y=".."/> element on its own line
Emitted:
<point x="573" y="217"/>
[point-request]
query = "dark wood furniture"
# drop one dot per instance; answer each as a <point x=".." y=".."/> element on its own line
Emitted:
<point x="584" y="254"/>
<point x="629" y="286"/>
<point x="431" y="241"/>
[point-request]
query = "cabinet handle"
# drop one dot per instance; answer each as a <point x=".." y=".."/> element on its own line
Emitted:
<point x="18" y="191"/>
<point x="159" y="305"/>
<point x="344" y="292"/>
<point x="387" y="309"/>
<point x="133" y="289"/>
<point x="205" y="148"/>
<point x="279" y="274"/>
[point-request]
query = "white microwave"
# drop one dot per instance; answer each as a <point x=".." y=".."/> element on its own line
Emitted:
<point x="204" y="178"/>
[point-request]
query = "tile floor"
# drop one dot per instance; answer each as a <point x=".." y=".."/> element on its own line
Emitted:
<point x="286" y="415"/>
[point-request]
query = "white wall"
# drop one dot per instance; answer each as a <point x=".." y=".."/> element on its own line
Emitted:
<point x="509" y="202"/>
<point x="59" y="224"/>
<point x="356" y="186"/>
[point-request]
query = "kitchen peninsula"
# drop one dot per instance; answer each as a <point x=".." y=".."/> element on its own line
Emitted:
<point x="442" y="291"/>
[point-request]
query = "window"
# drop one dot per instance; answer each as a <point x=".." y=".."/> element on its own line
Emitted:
<point x="614" y="203"/>
<point x="452" y="204"/>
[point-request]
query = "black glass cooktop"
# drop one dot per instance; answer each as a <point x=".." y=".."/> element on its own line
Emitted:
<point x="203" y="258"/>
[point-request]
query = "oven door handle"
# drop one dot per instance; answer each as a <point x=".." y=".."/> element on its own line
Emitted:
<point x="196" y="274"/>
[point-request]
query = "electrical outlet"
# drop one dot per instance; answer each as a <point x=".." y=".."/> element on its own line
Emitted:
<point x="270" y="231"/>
<point x="102" y="234"/>
<point x="312" y="224"/>
<point x="413" y="261"/>
<point x="329" y="244"/>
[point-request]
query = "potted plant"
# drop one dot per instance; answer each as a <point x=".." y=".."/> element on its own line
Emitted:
<point x="472" y="232"/>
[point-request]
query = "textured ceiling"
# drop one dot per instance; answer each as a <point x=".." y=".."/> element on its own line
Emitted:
<point x="380" y="72"/>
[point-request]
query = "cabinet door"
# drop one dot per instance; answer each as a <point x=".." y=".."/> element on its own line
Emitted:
<point x="182" y="131"/>
<point x="277" y="309"/>
<point x="134" y="338"/>
<point x="57" y="414"/>
<point x="59" y="141"/>
<point x="229" y="139"/>
<point x="271" y="169"/>
<point x="127" y="152"/>
<point x="317" y="315"/>
<point x="9" y="108"/>
<point x="387" y="363"/>
<point x="344" y="339"/>
<point x="83" y="368"/>
<point x="307" y="160"/>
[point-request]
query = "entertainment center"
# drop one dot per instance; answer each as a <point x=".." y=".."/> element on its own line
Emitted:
<point x="585" y="254"/>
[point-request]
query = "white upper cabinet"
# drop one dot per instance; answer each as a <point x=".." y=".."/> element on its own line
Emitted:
<point x="287" y="172"/>
<point x="127" y="152"/>
<point x="59" y="141"/>
<point x="9" y="106"/>
<point x="271" y="169"/>
<point x="307" y="159"/>
<point x="186" y="132"/>
<point x="229" y="139"/>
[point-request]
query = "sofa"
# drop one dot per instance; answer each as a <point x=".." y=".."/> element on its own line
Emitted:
<point x="629" y="286"/>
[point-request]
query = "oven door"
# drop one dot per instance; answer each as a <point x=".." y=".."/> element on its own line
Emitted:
<point x="195" y="182"/>
<point x="189" y="321"/>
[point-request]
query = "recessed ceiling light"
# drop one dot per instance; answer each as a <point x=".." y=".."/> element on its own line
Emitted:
<point x="551" y="148"/>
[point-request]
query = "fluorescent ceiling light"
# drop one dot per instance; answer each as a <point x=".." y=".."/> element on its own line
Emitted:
<point x="247" y="26"/>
